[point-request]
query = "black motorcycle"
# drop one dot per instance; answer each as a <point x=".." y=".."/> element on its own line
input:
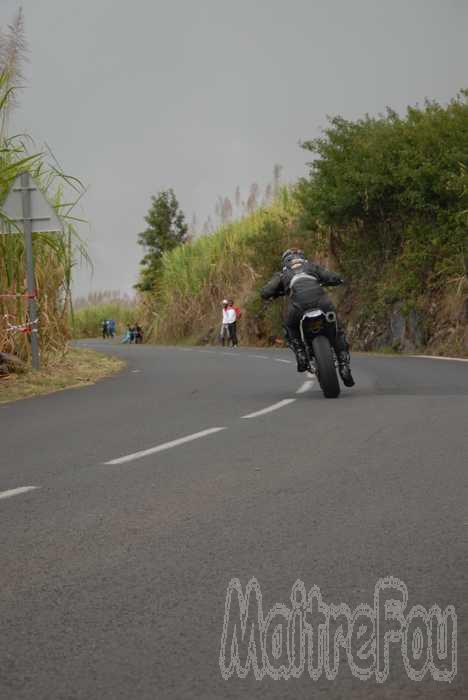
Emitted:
<point x="318" y="332"/>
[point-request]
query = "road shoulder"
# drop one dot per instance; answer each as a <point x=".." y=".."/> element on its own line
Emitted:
<point x="78" y="367"/>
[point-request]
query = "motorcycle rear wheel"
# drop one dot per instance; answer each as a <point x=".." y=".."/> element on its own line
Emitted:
<point x="326" y="370"/>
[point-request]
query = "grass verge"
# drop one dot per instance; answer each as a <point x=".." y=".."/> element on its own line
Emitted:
<point x="78" y="367"/>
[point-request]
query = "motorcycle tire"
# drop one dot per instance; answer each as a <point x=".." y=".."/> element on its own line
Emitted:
<point x="326" y="370"/>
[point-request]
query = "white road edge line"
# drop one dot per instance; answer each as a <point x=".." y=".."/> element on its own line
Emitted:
<point x="259" y="357"/>
<point x="306" y="386"/>
<point x="16" y="492"/>
<point x="277" y="359"/>
<point x="439" y="357"/>
<point x="164" y="446"/>
<point x="268" y="409"/>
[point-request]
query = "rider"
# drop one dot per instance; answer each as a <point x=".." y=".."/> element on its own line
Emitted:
<point x="303" y="281"/>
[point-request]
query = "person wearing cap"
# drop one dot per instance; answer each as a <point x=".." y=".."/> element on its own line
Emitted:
<point x="224" y="332"/>
<point x="228" y="326"/>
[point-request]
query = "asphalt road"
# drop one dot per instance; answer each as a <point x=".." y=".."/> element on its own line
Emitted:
<point x="114" y="570"/>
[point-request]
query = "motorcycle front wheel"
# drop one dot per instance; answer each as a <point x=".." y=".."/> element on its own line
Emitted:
<point x="326" y="370"/>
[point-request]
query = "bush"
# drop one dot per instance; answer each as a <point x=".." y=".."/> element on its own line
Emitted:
<point x="393" y="190"/>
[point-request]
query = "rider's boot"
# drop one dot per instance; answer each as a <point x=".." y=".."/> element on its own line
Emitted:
<point x="344" y="368"/>
<point x="301" y="357"/>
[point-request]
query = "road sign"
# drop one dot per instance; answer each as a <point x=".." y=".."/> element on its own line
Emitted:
<point x="30" y="212"/>
<point x="43" y="216"/>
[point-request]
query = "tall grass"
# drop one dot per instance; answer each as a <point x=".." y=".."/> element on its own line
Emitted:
<point x="55" y="257"/>
<point x="196" y="277"/>
<point x="55" y="254"/>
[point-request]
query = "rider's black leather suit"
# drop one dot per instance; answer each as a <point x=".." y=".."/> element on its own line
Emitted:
<point x="303" y="285"/>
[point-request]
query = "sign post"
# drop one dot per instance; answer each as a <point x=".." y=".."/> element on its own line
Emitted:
<point x="32" y="305"/>
<point x="27" y="207"/>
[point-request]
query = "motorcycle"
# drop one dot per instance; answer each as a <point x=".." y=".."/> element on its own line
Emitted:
<point x="318" y="331"/>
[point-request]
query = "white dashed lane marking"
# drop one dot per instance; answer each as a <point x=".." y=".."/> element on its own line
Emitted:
<point x="16" y="492"/>
<point x="306" y="386"/>
<point x="164" y="446"/>
<point x="269" y="409"/>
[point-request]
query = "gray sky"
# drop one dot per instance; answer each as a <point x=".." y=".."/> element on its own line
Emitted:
<point x="203" y="95"/>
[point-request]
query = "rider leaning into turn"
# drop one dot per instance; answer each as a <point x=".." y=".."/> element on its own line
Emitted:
<point x="303" y="281"/>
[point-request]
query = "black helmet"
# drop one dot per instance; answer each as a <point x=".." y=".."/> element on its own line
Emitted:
<point x="290" y="254"/>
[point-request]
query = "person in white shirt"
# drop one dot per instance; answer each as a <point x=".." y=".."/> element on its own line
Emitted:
<point x="224" y="332"/>
<point x="228" y="327"/>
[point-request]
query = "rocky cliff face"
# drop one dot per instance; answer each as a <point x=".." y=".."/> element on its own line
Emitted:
<point x="439" y="327"/>
<point x="399" y="332"/>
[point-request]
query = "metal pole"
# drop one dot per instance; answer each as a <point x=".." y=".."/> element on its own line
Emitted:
<point x="32" y="307"/>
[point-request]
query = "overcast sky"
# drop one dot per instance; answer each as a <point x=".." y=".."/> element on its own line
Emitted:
<point x="205" y="95"/>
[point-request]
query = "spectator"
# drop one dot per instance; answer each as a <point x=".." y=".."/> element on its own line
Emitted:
<point x="224" y="333"/>
<point x="131" y="334"/>
<point x="236" y="309"/>
<point x="138" y="334"/>
<point x="111" y="325"/>
<point x="230" y="317"/>
<point x="105" y="329"/>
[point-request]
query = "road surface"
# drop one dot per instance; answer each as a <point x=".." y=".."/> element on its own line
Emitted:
<point x="156" y="488"/>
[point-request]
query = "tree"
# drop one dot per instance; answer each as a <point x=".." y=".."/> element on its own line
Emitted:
<point x="389" y="190"/>
<point x="208" y="226"/>
<point x="238" y="197"/>
<point x="276" y="178"/>
<point x="192" y="229"/>
<point x="227" y="210"/>
<point x="268" y="196"/>
<point x="252" y="199"/>
<point x="223" y="210"/>
<point x="219" y="207"/>
<point x="166" y="230"/>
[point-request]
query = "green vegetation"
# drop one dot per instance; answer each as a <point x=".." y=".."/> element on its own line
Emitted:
<point x="393" y="193"/>
<point x="194" y="278"/>
<point x="56" y="254"/>
<point x="385" y="203"/>
<point x="389" y="197"/>
<point x="166" y="230"/>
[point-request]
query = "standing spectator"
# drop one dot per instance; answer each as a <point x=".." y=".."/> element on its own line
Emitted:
<point x="224" y="333"/>
<point x="236" y="309"/>
<point x="231" y="320"/>
<point x="138" y="334"/>
<point x="105" y="329"/>
<point x="111" y="325"/>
